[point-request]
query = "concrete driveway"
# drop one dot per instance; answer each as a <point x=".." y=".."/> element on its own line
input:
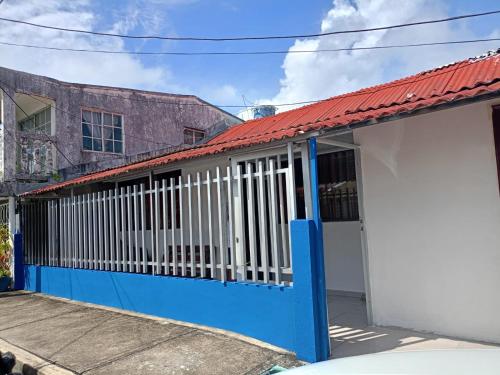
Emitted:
<point x="85" y="339"/>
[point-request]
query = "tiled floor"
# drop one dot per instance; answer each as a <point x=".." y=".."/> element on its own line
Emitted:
<point x="350" y="334"/>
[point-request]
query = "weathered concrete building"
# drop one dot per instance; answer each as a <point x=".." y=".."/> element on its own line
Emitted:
<point x="51" y="130"/>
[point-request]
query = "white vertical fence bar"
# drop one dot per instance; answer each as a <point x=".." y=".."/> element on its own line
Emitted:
<point x="283" y="221"/>
<point x="200" y="225"/>
<point x="230" y="232"/>
<point x="181" y="227"/>
<point x="190" y="226"/>
<point x="220" y="208"/>
<point x="251" y="222"/>
<point x="152" y="224"/>
<point x="129" y="230"/>
<point x="117" y="230"/>
<point x="49" y="225"/>
<point x="136" y="230"/>
<point x="80" y="232"/>
<point x="213" y="268"/>
<point x="173" y="220"/>
<point x="273" y="222"/>
<point x="100" y="230"/>
<point x="122" y="228"/>
<point x="240" y="225"/>
<point x="262" y="222"/>
<point x="62" y="229"/>
<point x="166" y="252"/>
<point x="106" y="231"/>
<point x="67" y="229"/>
<point x="112" y="236"/>
<point x="143" y="229"/>
<point x="90" y="232"/>
<point x="95" y="244"/>
<point x="157" y="259"/>
<point x="74" y="235"/>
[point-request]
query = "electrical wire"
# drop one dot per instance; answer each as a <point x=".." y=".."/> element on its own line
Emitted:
<point x="42" y="165"/>
<point x="47" y="139"/>
<point x="12" y="136"/>
<point x="74" y="115"/>
<point x="77" y="116"/>
<point x="246" y="38"/>
<point x="246" y="53"/>
<point x="422" y="77"/>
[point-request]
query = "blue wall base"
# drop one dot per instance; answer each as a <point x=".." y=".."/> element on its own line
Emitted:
<point x="263" y="312"/>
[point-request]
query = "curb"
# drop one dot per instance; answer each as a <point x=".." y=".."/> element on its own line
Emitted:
<point x="30" y="364"/>
<point x="161" y="320"/>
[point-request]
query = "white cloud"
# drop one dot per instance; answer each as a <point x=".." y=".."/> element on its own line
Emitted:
<point x="114" y="70"/>
<point x="225" y="94"/>
<point x="320" y="75"/>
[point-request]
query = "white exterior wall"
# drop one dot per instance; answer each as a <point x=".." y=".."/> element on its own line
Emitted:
<point x="343" y="256"/>
<point x="432" y="212"/>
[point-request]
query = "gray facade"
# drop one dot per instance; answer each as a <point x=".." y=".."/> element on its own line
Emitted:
<point x="49" y="143"/>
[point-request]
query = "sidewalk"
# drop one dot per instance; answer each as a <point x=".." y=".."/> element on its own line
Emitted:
<point x="85" y="339"/>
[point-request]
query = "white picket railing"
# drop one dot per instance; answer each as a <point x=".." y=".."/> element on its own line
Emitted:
<point x="181" y="227"/>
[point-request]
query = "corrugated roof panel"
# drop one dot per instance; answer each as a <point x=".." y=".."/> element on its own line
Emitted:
<point x="464" y="79"/>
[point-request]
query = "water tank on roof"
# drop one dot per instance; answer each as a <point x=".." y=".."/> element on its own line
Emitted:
<point x="257" y="111"/>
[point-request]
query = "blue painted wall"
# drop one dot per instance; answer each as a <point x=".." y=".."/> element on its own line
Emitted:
<point x="261" y="311"/>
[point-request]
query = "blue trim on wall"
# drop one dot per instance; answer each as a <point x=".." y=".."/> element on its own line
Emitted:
<point x="264" y="312"/>
<point x="318" y="256"/>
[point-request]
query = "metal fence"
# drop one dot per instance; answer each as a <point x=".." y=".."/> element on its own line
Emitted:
<point x="4" y="213"/>
<point x="205" y="224"/>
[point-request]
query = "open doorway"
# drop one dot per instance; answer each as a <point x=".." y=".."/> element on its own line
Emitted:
<point x="342" y="238"/>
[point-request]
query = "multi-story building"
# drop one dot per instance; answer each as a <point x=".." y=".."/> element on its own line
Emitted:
<point x="51" y="130"/>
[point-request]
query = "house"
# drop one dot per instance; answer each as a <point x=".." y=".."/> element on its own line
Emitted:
<point x="390" y="192"/>
<point x="53" y="130"/>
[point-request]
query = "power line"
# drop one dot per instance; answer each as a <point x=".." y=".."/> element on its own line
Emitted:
<point x="240" y="53"/>
<point x="43" y="165"/>
<point x="304" y="102"/>
<point x="48" y="139"/>
<point x="77" y="116"/>
<point x="246" y="38"/>
<point x="12" y="136"/>
<point x="74" y="115"/>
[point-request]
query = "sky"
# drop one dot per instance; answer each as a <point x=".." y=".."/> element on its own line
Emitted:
<point x="240" y="80"/>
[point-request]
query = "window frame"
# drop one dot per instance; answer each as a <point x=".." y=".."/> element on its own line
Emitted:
<point x="32" y="117"/>
<point x="103" y="140"/>
<point x="338" y="169"/>
<point x="194" y="130"/>
<point x="495" y="121"/>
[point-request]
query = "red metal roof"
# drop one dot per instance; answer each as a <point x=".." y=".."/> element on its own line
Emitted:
<point x="465" y="79"/>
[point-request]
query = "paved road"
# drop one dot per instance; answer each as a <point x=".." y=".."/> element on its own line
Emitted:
<point x="89" y="340"/>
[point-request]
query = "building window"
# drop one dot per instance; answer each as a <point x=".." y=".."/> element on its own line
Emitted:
<point x="102" y="131"/>
<point x="193" y="136"/>
<point x="496" y="137"/>
<point x="38" y="122"/>
<point x="338" y="195"/>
